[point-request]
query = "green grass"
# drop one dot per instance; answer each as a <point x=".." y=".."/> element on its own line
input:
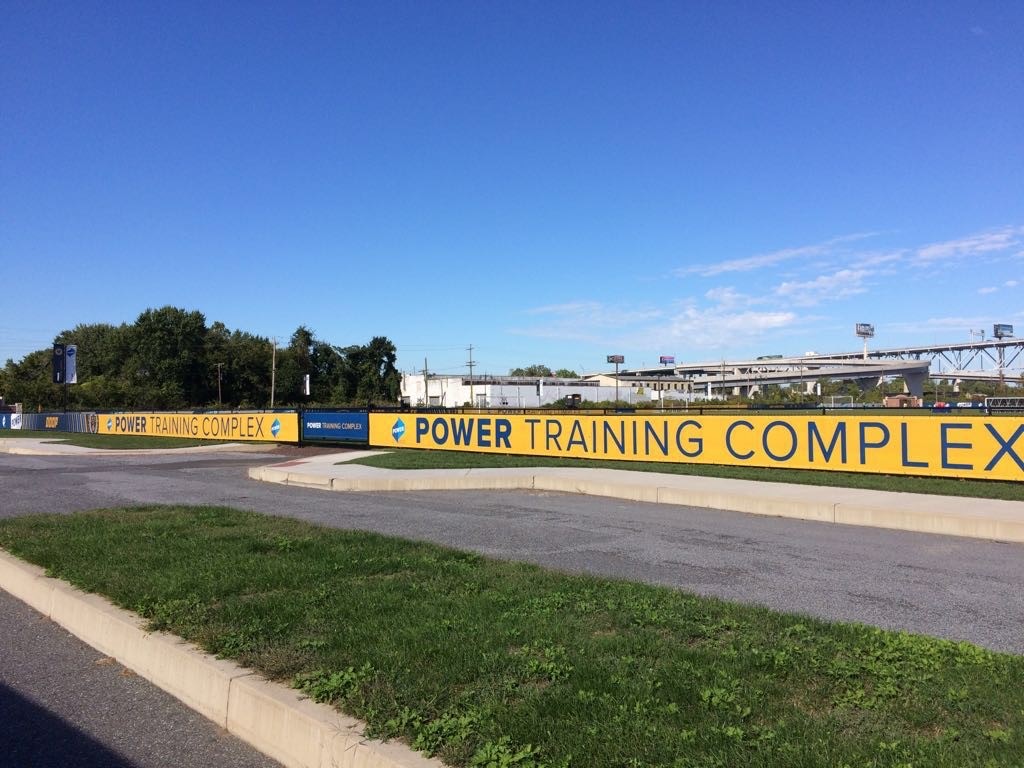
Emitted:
<point x="109" y="442"/>
<point x="412" y="458"/>
<point x="497" y="664"/>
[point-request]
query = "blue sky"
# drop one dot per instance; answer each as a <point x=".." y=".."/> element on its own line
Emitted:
<point x="549" y="182"/>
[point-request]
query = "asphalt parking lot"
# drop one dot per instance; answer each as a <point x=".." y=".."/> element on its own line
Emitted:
<point x="962" y="589"/>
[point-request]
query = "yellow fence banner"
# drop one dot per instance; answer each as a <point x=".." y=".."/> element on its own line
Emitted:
<point x="269" y="427"/>
<point x="979" y="447"/>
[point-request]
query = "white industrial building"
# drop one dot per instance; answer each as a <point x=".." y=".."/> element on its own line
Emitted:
<point x="532" y="392"/>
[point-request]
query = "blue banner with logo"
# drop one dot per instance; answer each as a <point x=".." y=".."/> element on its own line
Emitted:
<point x="59" y="422"/>
<point x="71" y="364"/>
<point x="336" y="426"/>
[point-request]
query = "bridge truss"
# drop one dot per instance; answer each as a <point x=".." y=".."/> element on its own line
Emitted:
<point x="964" y="361"/>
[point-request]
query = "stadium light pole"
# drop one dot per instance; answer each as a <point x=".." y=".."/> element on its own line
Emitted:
<point x="981" y="335"/>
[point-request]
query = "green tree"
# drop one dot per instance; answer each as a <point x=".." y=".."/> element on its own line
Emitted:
<point x="538" y="370"/>
<point x="246" y="376"/>
<point x="293" y="363"/>
<point x="326" y="371"/>
<point x="565" y="373"/>
<point x="368" y="373"/>
<point x="29" y="381"/>
<point x="166" y="361"/>
<point x="216" y="362"/>
<point x="102" y="352"/>
<point x="306" y="355"/>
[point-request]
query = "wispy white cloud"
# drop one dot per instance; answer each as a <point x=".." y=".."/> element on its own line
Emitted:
<point x="568" y="308"/>
<point x="984" y="243"/>
<point x="760" y="261"/>
<point x="586" y="321"/>
<point x="879" y="258"/>
<point x="741" y="311"/>
<point x="950" y="326"/>
<point x="728" y="296"/>
<point x="995" y="288"/>
<point x="596" y="313"/>
<point x="716" y="322"/>
<point x="845" y="282"/>
<point x="560" y="332"/>
<point x="719" y="328"/>
<point x="838" y="251"/>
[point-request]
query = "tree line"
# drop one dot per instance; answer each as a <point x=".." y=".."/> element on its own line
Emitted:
<point x="169" y="359"/>
<point x="539" y="370"/>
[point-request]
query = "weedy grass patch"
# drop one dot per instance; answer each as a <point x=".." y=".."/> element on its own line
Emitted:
<point x="505" y="665"/>
<point x="414" y="458"/>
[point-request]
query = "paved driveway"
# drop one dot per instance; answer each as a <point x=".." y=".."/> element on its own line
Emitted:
<point x="940" y="585"/>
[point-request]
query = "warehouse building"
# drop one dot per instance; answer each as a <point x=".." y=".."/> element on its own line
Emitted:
<point x="532" y="392"/>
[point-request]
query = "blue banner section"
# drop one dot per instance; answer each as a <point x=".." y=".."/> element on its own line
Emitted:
<point x="71" y="364"/>
<point x="59" y="422"/>
<point x="336" y="426"/>
<point x="5" y="420"/>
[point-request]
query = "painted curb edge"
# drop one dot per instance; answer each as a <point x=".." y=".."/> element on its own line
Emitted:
<point x="274" y="719"/>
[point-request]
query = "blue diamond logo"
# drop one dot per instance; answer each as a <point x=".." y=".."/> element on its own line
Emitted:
<point x="275" y="427"/>
<point x="110" y="424"/>
<point x="398" y="430"/>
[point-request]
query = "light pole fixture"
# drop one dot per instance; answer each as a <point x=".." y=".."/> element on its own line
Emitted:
<point x="980" y="334"/>
<point x="865" y="331"/>
<point x="618" y="360"/>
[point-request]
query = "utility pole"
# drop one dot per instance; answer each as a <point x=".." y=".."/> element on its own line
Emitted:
<point x="426" y="384"/>
<point x="472" y="403"/>
<point x="219" y="365"/>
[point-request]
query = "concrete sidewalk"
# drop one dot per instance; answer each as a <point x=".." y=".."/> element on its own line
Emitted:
<point x="949" y="515"/>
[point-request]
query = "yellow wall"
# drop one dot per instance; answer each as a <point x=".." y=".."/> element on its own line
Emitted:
<point x="204" y="426"/>
<point x="939" y="446"/>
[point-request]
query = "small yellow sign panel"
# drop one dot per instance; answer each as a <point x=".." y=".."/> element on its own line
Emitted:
<point x="270" y="427"/>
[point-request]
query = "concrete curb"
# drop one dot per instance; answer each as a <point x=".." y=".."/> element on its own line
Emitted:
<point x="946" y="515"/>
<point x="274" y="719"/>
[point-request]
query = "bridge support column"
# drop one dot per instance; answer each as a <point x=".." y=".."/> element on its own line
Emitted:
<point x="914" y="383"/>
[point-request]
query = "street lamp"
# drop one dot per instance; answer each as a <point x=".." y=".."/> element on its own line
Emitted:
<point x="618" y="360"/>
